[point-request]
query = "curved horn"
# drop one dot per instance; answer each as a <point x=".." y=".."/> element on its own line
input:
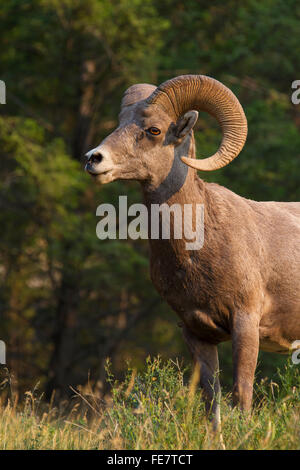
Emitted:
<point x="136" y="93"/>
<point x="186" y="92"/>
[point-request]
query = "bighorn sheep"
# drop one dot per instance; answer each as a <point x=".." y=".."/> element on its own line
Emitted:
<point x="244" y="283"/>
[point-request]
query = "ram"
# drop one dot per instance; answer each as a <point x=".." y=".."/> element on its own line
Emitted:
<point x="244" y="283"/>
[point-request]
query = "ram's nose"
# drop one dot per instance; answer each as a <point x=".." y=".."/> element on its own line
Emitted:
<point x="94" y="157"/>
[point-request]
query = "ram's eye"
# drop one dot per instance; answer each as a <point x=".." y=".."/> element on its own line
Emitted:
<point x="153" y="130"/>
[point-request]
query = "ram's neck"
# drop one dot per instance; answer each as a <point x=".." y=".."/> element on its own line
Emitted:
<point x="181" y="187"/>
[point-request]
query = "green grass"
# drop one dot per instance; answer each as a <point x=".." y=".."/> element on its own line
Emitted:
<point x="156" y="409"/>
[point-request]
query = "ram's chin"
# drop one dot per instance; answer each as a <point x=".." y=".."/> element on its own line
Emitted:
<point x="103" y="178"/>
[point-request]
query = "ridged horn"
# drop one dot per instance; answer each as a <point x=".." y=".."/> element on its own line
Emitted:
<point x="202" y="93"/>
<point x="136" y="93"/>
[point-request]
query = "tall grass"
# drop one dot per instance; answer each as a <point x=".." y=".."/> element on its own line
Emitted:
<point x="156" y="409"/>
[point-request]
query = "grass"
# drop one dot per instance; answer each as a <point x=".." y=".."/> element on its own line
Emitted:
<point x="157" y="410"/>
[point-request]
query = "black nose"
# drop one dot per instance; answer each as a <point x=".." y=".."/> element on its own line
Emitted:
<point x="96" y="158"/>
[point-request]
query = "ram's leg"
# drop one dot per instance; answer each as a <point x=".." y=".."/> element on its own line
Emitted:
<point x="206" y="356"/>
<point x="245" y="347"/>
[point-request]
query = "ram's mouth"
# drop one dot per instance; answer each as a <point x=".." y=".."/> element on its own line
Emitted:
<point x="103" y="177"/>
<point x="94" y="172"/>
<point x="103" y="173"/>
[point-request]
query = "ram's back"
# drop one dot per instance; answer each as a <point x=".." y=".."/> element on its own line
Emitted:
<point x="265" y="240"/>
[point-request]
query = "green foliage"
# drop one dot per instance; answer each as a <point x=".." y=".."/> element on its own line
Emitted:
<point x="44" y="62"/>
<point x="51" y="258"/>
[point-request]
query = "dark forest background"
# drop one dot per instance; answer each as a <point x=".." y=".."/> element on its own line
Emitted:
<point x="68" y="300"/>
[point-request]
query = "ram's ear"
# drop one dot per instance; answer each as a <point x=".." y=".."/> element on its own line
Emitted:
<point x="185" y="123"/>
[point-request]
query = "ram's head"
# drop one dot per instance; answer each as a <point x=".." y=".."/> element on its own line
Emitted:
<point x="155" y="121"/>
